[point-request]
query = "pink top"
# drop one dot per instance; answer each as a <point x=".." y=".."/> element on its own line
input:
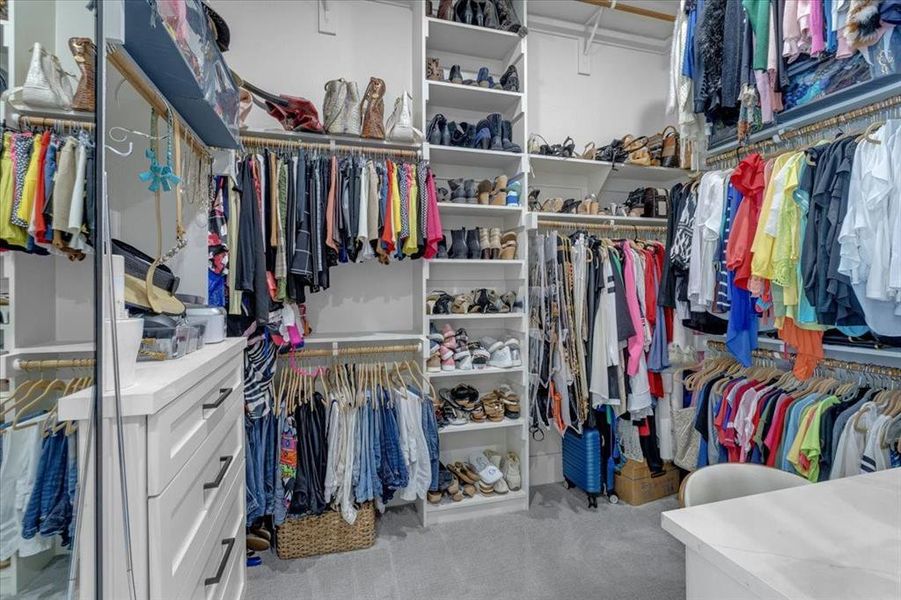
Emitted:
<point x="817" y="42"/>
<point x="635" y="343"/>
<point x="434" y="233"/>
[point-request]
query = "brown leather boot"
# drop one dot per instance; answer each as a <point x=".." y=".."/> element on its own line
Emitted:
<point x="85" y="52"/>
<point x="373" y="108"/>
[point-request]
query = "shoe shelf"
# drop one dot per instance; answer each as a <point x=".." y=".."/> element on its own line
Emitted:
<point x="478" y="210"/>
<point x="650" y="176"/>
<point x="476" y="372"/>
<point x="476" y="316"/>
<point x="559" y="165"/>
<point x="478" y="500"/>
<point x="506" y="162"/>
<point x="472" y="97"/>
<point x="471" y="40"/>
<point x="484" y="426"/>
<point x="473" y="47"/>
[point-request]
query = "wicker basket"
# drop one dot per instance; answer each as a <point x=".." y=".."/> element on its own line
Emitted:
<point x="326" y="534"/>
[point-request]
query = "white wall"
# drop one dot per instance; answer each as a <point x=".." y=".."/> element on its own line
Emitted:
<point x="277" y="46"/>
<point x="52" y="23"/>
<point x="625" y="93"/>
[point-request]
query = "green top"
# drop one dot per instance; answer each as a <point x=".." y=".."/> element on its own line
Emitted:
<point x="810" y="443"/>
<point x="759" y="15"/>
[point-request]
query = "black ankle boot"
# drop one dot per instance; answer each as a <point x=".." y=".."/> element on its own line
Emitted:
<point x="507" y="138"/>
<point x="495" y="121"/>
<point x="455" y="134"/>
<point x="510" y="79"/>
<point x="442" y="247"/>
<point x="458" y="243"/>
<point x="472" y="244"/>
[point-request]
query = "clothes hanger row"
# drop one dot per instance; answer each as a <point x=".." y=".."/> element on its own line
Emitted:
<point x="30" y="396"/>
<point x="807" y="135"/>
<point x="285" y="144"/>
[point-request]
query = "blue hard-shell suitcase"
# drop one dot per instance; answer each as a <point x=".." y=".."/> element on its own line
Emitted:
<point x="582" y="462"/>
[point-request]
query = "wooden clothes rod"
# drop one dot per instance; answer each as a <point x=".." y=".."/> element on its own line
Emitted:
<point x="131" y="73"/>
<point x="634" y="10"/>
<point x="48" y="122"/>
<point x="770" y="145"/>
<point x="37" y="365"/>
<point x="829" y="363"/>
<point x="273" y="142"/>
<point x="358" y="351"/>
<point x="545" y="223"/>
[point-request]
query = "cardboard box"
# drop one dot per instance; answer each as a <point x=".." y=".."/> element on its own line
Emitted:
<point x="634" y="484"/>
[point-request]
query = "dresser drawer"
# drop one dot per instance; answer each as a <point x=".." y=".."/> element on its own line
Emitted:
<point x="223" y="574"/>
<point x="183" y="516"/>
<point x="177" y="431"/>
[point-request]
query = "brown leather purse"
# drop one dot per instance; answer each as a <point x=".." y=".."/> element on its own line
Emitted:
<point x="373" y="109"/>
<point x="669" y="155"/>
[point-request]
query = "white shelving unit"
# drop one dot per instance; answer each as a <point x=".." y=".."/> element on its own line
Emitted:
<point x="472" y="47"/>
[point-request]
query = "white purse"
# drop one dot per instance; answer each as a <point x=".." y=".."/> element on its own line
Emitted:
<point x="399" y="127"/>
<point x="47" y="85"/>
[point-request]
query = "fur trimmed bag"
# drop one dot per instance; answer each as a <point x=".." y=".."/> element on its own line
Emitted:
<point x="863" y="26"/>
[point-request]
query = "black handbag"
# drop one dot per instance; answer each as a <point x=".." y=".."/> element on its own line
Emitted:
<point x="613" y="152"/>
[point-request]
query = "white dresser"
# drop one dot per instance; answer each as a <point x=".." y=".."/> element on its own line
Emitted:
<point x="184" y="451"/>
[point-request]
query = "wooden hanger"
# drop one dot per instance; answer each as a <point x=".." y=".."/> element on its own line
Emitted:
<point x="55" y="385"/>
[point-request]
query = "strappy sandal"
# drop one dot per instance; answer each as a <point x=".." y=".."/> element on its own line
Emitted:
<point x="567" y="148"/>
<point x="464" y="473"/>
<point x="462" y="304"/>
<point x="552" y="205"/>
<point x="478" y="414"/>
<point x="494" y="407"/>
<point x="570" y="206"/>
<point x="589" y="151"/>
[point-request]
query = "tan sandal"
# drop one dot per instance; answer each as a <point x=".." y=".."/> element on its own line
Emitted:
<point x="499" y="193"/>
<point x="463" y="473"/>
<point x="494" y="407"/>
<point x="552" y="205"/>
<point x="478" y="414"/>
<point x="508" y="245"/>
<point x="589" y="151"/>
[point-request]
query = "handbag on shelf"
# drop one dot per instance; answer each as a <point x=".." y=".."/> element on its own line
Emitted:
<point x="655" y="148"/>
<point x="612" y="152"/>
<point x="669" y="154"/>
<point x="334" y="106"/>
<point x="352" y="109"/>
<point x="294" y="114"/>
<point x="400" y="124"/>
<point x="47" y="85"/>
<point x="373" y="109"/>
<point x="636" y="149"/>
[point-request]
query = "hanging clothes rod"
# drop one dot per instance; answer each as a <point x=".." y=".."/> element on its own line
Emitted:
<point x="770" y="145"/>
<point x="829" y="363"/>
<point x="49" y="122"/>
<point x="634" y="10"/>
<point x="358" y="351"/>
<point x="39" y="365"/>
<point x="545" y="223"/>
<point x="280" y="142"/>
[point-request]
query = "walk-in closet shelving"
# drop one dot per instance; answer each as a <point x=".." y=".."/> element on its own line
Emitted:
<point x="472" y="47"/>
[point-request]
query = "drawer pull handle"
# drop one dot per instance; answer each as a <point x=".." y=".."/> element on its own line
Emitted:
<point x="229" y="544"/>
<point x="223" y="394"/>
<point x="226" y="463"/>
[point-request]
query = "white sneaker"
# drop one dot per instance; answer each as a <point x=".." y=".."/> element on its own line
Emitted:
<point x="501" y="487"/>
<point x="501" y="358"/>
<point x="463" y="360"/>
<point x="494" y="457"/>
<point x="488" y="473"/>
<point x="515" y="355"/>
<point x="511" y="471"/>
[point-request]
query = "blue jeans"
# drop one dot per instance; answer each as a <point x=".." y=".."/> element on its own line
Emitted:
<point x="394" y="474"/>
<point x="259" y="472"/>
<point x="430" y="429"/>
<point x="281" y="510"/>
<point x="363" y="461"/>
<point x="375" y="432"/>
<point x="48" y="510"/>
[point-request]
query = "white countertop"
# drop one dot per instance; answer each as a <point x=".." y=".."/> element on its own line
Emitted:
<point x="157" y="383"/>
<point x="833" y="540"/>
